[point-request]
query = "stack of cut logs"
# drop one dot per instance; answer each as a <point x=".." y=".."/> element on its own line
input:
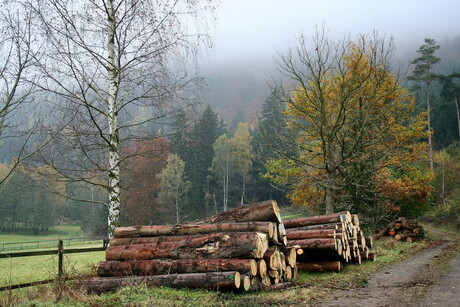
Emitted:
<point x="232" y="250"/>
<point x="403" y="229"/>
<point x="326" y="242"/>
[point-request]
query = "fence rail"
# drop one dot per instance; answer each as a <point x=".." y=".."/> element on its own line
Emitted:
<point x="46" y="243"/>
<point x="60" y="251"/>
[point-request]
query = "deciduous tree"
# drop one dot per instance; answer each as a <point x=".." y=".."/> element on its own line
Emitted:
<point x="106" y="62"/>
<point x="173" y="185"/>
<point x="242" y="156"/>
<point x="351" y="116"/>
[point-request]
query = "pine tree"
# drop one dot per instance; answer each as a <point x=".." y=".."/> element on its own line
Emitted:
<point x="271" y="138"/>
<point x="198" y="160"/>
<point x="424" y="76"/>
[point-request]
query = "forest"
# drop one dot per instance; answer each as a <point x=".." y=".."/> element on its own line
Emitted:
<point x="98" y="130"/>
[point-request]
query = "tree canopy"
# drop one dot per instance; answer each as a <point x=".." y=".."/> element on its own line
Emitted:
<point x="352" y="120"/>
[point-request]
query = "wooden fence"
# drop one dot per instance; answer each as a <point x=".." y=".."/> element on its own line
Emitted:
<point x="60" y="251"/>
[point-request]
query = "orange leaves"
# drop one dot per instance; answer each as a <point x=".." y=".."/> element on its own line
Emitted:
<point x="355" y="128"/>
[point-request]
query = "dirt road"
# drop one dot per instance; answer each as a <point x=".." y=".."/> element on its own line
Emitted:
<point x="422" y="280"/>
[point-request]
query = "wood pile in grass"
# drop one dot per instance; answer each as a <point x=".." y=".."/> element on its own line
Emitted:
<point x="234" y="250"/>
<point x="403" y="229"/>
<point x="329" y="241"/>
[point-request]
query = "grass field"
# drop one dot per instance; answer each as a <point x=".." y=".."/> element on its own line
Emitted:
<point x="56" y="233"/>
<point x="28" y="269"/>
<point x="36" y="268"/>
<point x="11" y="242"/>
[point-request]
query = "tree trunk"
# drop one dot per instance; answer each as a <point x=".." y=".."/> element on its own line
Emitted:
<point x="318" y="220"/>
<point x="243" y="190"/>
<point x="290" y="255"/>
<point x="171" y="266"/>
<point x="318" y="227"/>
<point x="226" y="176"/>
<point x="184" y="229"/>
<point x="307" y="244"/>
<point x="458" y="116"/>
<point x="210" y="280"/>
<point x="263" y="211"/>
<point x="326" y="266"/>
<point x="310" y="234"/>
<point x="428" y="111"/>
<point x="214" y="246"/>
<point x="329" y="200"/>
<point x="272" y="257"/>
<point x="114" y="138"/>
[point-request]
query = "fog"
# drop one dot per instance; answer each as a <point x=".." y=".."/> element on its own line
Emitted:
<point x="250" y="34"/>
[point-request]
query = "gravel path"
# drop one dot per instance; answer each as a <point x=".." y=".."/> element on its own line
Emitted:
<point x="446" y="292"/>
<point x="404" y="284"/>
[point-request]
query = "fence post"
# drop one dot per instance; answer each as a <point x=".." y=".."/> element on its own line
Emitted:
<point x="60" y="258"/>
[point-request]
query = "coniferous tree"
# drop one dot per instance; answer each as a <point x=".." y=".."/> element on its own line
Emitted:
<point x="424" y="76"/>
<point x="198" y="160"/>
<point x="271" y="138"/>
<point x="447" y="121"/>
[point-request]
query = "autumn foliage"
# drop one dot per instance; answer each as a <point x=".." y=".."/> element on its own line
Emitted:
<point x="358" y="142"/>
<point x="147" y="161"/>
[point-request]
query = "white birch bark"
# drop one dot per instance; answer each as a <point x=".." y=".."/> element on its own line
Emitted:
<point x="114" y="150"/>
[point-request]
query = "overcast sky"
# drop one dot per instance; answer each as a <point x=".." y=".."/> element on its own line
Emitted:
<point x="258" y="29"/>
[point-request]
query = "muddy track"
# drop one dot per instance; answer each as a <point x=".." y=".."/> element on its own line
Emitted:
<point x="424" y="279"/>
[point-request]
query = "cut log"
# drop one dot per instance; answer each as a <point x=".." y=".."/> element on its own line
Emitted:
<point x="282" y="238"/>
<point x="326" y="266"/>
<point x="272" y="258"/>
<point x="364" y="254"/>
<point x="263" y="211"/>
<point x="246" y="282"/>
<point x="361" y="241"/>
<point x="228" y="245"/>
<point x="310" y="234"/>
<point x="180" y="230"/>
<point x="355" y="220"/>
<point x="283" y="263"/>
<point x="171" y="266"/>
<point x="319" y="255"/>
<point x="212" y="280"/>
<point x="274" y="277"/>
<point x="295" y="272"/>
<point x="288" y="273"/>
<point x="320" y="219"/>
<point x="307" y="244"/>
<point x="318" y="227"/>
<point x="275" y="238"/>
<point x="402" y="236"/>
<point x="372" y="256"/>
<point x="290" y="255"/>
<point x="356" y="258"/>
<point x="261" y="268"/>
<point x="265" y="280"/>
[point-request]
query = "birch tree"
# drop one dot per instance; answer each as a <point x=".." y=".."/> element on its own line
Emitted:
<point x="16" y="58"/>
<point x="115" y="69"/>
<point x="173" y="185"/>
<point x="222" y="166"/>
<point x="243" y="156"/>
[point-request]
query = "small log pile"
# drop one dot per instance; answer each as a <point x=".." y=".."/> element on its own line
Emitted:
<point x="234" y="250"/>
<point x="403" y="229"/>
<point x="328" y="241"/>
